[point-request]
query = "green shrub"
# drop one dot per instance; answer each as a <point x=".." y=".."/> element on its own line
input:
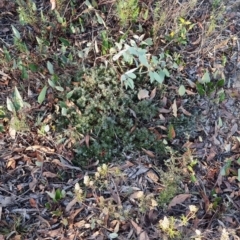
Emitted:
<point x="99" y="107"/>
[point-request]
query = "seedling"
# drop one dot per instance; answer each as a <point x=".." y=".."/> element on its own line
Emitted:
<point x="56" y="195"/>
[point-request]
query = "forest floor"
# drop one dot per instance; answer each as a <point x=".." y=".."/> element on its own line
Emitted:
<point x="119" y="119"/>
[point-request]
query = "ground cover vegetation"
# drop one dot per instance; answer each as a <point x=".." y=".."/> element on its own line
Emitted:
<point x="119" y="119"/>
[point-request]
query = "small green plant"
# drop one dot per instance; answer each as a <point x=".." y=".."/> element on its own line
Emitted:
<point x="2" y="116"/>
<point x="20" y="45"/>
<point x="170" y="179"/>
<point x="56" y="195"/>
<point x="205" y="86"/>
<point x="106" y="45"/>
<point x="167" y="225"/>
<point x="136" y="54"/>
<point x="174" y="228"/>
<point x="27" y="11"/>
<point x="179" y="35"/>
<point x="16" y="105"/>
<point x="127" y="11"/>
<point x="159" y="18"/>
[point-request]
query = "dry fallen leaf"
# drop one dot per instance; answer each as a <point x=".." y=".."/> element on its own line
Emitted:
<point x="164" y="110"/>
<point x="33" y="203"/>
<point x="143" y="93"/>
<point x="171" y="132"/>
<point x="233" y="129"/>
<point x="11" y="163"/>
<point x="142" y="235"/>
<point x="178" y="199"/>
<point x="164" y="223"/>
<point x="40" y="148"/>
<point x="149" y="153"/>
<point x="153" y="93"/>
<point x="174" y="108"/>
<point x="87" y="138"/>
<point x="33" y="184"/>
<point x="49" y="175"/>
<point x="12" y="130"/>
<point x="53" y="2"/>
<point x="71" y="204"/>
<point x="137" y="195"/>
<point x="185" y="112"/>
<point x="153" y="176"/>
<point x="6" y="201"/>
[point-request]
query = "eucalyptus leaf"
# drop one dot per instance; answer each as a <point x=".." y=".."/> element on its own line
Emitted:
<point x="42" y="95"/>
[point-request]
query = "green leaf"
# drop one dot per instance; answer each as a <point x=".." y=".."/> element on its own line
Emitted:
<point x="16" y="32"/>
<point x="89" y="5"/>
<point x="59" y="88"/>
<point x="148" y="42"/>
<point x="181" y="90"/>
<point x="51" y="83"/>
<point x="166" y="72"/>
<point x="151" y="75"/>
<point x="24" y="73"/>
<point x="64" y="41"/>
<point x="220" y="83"/>
<point x="10" y="106"/>
<point x="64" y="111"/>
<point x="225" y="169"/>
<point x="113" y="235"/>
<point x="58" y="195"/>
<point x="42" y="95"/>
<point x="123" y="78"/>
<point x="129" y="83"/>
<point x="159" y="77"/>
<point x="200" y="89"/>
<point x="50" y="67"/>
<point x="1" y="128"/>
<point x="51" y="194"/>
<point x="17" y="99"/>
<point x="175" y="65"/>
<point x="206" y="77"/>
<point x="69" y="94"/>
<point x="143" y="60"/>
<point x="33" y="67"/>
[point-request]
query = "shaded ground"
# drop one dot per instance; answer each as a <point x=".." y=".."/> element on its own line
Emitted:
<point x="129" y="200"/>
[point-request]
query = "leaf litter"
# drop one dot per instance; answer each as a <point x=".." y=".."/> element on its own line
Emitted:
<point x="121" y="207"/>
